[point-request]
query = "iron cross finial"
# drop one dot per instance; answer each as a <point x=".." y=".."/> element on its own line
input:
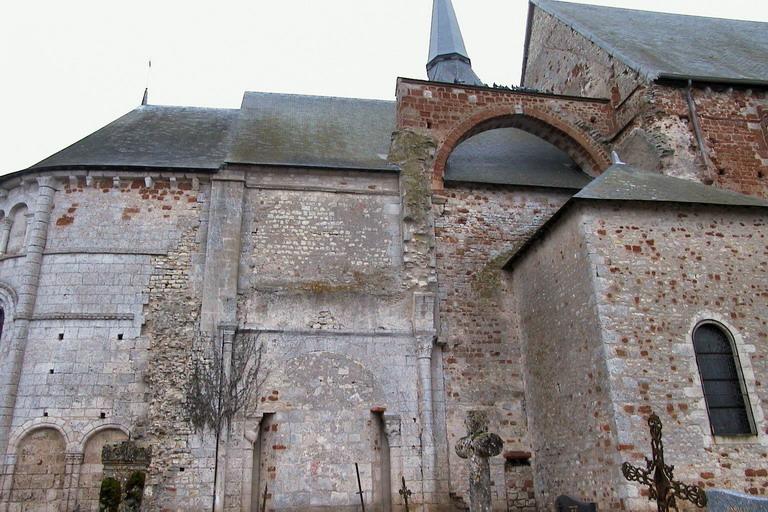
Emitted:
<point x="659" y="477"/>
<point x="406" y="493"/>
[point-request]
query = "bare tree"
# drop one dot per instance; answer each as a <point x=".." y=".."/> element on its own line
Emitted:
<point x="218" y="389"/>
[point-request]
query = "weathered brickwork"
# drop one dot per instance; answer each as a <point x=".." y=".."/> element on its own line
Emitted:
<point x="653" y="121"/>
<point x="450" y="114"/>
<point x="477" y="228"/>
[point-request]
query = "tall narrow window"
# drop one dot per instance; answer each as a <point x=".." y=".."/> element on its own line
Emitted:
<point x="724" y="391"/>
<point x="2" y="321"/>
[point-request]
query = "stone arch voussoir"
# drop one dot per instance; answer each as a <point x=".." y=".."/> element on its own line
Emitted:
<point x="96" y="428"/>
<point x="579" y="144"/>
<point x="35" y="424"/>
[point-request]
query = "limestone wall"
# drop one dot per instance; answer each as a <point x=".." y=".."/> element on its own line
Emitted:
<point x="659" y="274"/>
<point x="85" y="350"/>
<point x="567" y="386"/>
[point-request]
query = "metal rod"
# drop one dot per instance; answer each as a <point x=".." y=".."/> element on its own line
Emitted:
<point x="359" y="487"/>
<point x="264" y="500"/>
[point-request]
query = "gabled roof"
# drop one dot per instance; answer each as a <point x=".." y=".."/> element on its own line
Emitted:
<point x="314" y="131"/>
<point x="509" y="156"/>
<point x="671" y="46"/>
<point x="622" y="182"/>
<point x="152" y="136"/>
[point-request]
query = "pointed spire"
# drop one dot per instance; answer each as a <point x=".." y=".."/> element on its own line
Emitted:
<point x="448" y="58"/>
<point x="145" y="99"/>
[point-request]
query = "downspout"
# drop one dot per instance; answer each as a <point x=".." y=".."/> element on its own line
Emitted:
<point x="694" y="116"/>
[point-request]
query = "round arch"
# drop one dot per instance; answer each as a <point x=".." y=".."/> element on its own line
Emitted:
<point x="101" y="427"/>
<point x="578" y="144"/>
<point x="36" y="424"/>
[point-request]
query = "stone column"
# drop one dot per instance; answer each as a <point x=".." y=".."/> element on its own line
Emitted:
<point x="425" y="345"/>
<point x="392" y="424"/>
<point x="227" y="335"/>
<point x="6" y="483"/>
<point x="5" y="233"/>
<point x="74" y="463"/>
<point x="250" y="495"/>
<point x="29" y="278"/>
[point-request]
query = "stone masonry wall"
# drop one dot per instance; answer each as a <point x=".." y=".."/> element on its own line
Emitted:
<point x="653" y="122"/>
<point x="477" y="228"/>
<point x="566" y="380"/>
<point x="661" y="270"/>
<point x="87" y="354"/>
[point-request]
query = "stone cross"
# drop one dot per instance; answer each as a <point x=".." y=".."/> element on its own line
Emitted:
<point x="478" y="446"/>
<point x="659" y="477"/>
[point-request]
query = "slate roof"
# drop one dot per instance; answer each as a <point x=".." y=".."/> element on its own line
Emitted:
<point x="152" y="136"/>
<point x="445" y="37"/>
<point x="317" y="131"/>
<point x="673" y="46"/>
<point x="625" y="183"/>
<point x="510" y="156"/>
<point x="448" y="59"/>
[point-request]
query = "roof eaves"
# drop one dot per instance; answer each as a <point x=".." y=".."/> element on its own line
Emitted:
<point x="303" y="165"/>
<point x="649" y="74"/>
<point x="712" y="79"/>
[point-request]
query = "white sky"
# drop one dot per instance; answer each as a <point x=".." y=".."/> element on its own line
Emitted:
<point x="71" y="66"/>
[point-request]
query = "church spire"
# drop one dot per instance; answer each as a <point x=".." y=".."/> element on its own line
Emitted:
<point x="448" y="59"/>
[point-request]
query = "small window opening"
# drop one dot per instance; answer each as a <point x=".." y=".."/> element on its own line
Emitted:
<point x="50" y="371"/>
<point x="722" y="381"/>
<point x="45" y="414"/>
<point x="61" y="336"/>
<point x="2" y="321"/>
<point x="120" y="336"/>
<point x="102" y="415"/>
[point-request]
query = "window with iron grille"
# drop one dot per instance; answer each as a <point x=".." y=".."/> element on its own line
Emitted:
<point x="721" y="378"/>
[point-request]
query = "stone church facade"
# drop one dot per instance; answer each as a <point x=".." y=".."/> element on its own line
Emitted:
<point x="400" y="264"/>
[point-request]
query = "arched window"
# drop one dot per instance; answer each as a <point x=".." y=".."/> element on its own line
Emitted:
<point x="720" y="371"/>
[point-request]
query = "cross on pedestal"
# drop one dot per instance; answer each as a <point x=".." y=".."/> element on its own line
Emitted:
<point x="406" y="493"/>
<point x="478" y="446"/>
<point x="659" y="478"/>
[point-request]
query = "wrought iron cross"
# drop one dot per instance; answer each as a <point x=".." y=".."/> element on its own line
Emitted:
<point x="405" y="492"/>
<point x="659" y="477"/>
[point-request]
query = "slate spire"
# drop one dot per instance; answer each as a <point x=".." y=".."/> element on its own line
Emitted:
<point x="448" y="59"/>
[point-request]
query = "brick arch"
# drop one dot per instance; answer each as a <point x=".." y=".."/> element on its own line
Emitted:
<point x="574" y="141"/>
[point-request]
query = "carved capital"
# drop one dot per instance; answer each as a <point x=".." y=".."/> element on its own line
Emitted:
<point x="6" y="223"/>
<point x="47" y="181"/>
<point x="74" y="458"/>
<point x="424" y="346"/>
<point x="392" y="426"/>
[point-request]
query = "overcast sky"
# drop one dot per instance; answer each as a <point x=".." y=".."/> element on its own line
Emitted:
<point x="72" y="66"/>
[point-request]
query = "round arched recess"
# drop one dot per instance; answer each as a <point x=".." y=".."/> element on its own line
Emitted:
<point x="578" y="144"/>
<point x="511" y="156"/>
